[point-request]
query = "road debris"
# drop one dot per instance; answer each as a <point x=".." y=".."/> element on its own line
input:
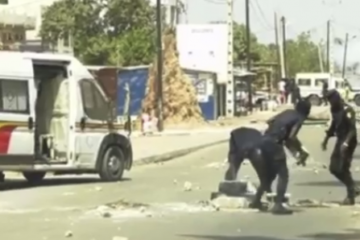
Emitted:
<point x="188" y="186"/>
<point x="311" y="203"/>
<point x="68" y="234"/>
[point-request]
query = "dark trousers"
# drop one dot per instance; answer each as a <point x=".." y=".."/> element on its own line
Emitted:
<point x="340" y="164"/>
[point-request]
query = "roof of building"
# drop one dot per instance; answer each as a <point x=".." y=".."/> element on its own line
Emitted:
<point x="8" y="19"/>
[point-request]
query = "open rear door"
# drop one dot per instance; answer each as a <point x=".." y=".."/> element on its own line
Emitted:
<point x="16" y="112"/>
<point x="55" y="111"/>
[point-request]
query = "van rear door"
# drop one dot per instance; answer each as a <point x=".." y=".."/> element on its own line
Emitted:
<point x="17" y="96"/>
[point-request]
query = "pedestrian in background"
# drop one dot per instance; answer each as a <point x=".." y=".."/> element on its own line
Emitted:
<point x="325" y="89"/>
<point x="282" y="92"/>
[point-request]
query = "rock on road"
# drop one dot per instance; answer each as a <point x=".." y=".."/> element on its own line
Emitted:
<point x="167" y="201"/>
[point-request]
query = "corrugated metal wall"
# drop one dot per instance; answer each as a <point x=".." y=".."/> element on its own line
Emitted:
<point x="137" y="79"/>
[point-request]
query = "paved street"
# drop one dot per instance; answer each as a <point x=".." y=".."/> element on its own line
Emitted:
<point x="152" y="204"/>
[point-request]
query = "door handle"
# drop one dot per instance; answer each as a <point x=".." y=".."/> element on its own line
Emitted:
<point x="83" y="123"/>
<point x="30" y="123"/>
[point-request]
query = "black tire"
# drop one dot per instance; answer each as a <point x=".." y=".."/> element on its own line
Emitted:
<point x="357" y="100"/>
<point x="112" y="164"/>
<point x="315" y="100"/>
<point x="34" y="177"/>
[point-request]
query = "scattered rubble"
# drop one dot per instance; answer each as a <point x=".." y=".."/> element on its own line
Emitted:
<point x="68" y="234"/>
<point x="311" y="203"/>
<point x="188" y="186"/>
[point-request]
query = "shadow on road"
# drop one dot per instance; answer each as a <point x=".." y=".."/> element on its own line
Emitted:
<point x="17" y="184"/>
<point x="334" y="183"/>
<point x="350" y="234"/>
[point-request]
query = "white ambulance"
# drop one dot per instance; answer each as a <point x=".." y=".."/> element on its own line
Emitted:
<point x="54" y="117"/>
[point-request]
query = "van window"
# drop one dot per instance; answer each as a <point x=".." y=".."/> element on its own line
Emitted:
<point x="320" y="81"/>
<point x="339" y="84"/>
<point x="304" y="82"/>
<point x="14" y="96"/>
<point x="95" y="105"/>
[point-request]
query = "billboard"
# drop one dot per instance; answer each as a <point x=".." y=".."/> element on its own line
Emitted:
<point x="203" y="47"/>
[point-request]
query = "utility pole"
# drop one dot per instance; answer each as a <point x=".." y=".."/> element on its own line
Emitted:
<point x="320" y="53"/>
<point x="230" y="86"/>
<point x="328" y="46"/>
<point x="345" y="55"/>
<point x="248" y="52"/>
<point x="159" y="94"/>
<point x="278" y="55"/>
<point x="283" y="27"/>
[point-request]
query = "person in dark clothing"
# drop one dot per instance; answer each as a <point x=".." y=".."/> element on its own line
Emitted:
<point x="267" y="155"/>
<point x="325" y="89"/>
<point x="292" y="120"/>
<point x="295" y="95"/>
<point x="343" y="126"/>
<point x="268" y="158"/>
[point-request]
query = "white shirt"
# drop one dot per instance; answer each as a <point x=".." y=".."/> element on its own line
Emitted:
<point x="281" y="86"/>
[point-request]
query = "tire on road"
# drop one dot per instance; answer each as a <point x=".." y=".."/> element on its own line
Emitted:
<point x="315" y="100"/>
<point x="357" y="100"/>
<point x="112" y="164"/>
<point x="34" y="177"/>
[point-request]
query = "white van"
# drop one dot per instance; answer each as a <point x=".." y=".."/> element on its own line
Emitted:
<point x="311" y="85"/>
<point x="54" y="118"/>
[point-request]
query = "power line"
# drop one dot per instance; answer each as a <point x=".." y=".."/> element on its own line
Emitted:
<point x="257" y="5"/>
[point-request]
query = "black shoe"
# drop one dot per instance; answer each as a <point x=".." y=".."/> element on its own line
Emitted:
<point x="279" y="209"/>
<point x="349" y="201"/>
<point x="303" y="158"/>
<point x="256" y="204"/>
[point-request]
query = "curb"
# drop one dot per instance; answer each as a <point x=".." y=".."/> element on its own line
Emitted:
<point x="174" y="154"/>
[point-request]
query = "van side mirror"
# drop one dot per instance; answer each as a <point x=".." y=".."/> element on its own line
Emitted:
<point x="30" y="123"/>
<point x="83" y="123"/>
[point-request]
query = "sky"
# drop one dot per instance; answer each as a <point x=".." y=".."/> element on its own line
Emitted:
<point x="301" y="15"/>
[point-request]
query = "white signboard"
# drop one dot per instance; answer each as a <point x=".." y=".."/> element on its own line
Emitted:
<point x="203" y="47"/>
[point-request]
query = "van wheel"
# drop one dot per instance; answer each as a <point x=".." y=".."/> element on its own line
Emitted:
<point x="315" y="100"/>
<point x="113" y="165"/>
<point x="357" y="100"/>
<point x="34" y="177"/>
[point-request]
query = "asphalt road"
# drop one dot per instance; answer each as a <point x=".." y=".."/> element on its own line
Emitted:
<point x="153" y="204"/>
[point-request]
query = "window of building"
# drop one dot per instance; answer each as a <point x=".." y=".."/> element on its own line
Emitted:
<point x="95" y="105"/>
<point x="14" y="96"/>
<point x="304" y="82"/>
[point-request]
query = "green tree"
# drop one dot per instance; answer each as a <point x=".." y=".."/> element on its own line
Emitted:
<point x="102" y="31"/>
<point x="302" y="55"/>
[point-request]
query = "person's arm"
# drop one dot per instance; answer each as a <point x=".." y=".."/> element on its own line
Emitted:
<point x="351" y="115"/>
<point x="329" y="133"/>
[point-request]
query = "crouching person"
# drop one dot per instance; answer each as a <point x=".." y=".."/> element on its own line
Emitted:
<point x="267" y="156"/>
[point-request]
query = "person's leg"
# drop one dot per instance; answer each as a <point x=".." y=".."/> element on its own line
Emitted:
<point x="235" y="158"/>
<point x="338" y="166"/>
<point x="346" y="176"/>
<point x="283" y="180"/>
<point x="261" y="168"/>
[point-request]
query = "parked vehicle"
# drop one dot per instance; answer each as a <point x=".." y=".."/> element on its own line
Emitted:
<point x="54" y="118"/>
<point x="311" y="85"/>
